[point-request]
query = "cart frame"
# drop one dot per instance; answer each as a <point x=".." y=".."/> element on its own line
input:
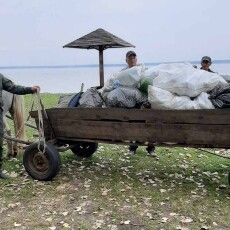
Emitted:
<point x="81" y="129"/>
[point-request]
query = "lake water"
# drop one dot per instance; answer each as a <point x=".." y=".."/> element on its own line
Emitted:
<point x="69" y="79"/>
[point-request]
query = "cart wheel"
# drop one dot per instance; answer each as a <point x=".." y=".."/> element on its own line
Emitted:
<point x="41" y="166"/>
<point x="84" y="149"/>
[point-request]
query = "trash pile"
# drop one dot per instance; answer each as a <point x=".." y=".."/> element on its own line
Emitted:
<point x="181" y="86"/>
<point x="165" y="86"/>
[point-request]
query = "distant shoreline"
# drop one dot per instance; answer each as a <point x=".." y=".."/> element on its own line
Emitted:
<point x="96" y="65"/>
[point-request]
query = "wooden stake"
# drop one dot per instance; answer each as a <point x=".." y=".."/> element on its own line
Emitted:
<point x="101" y="66"/>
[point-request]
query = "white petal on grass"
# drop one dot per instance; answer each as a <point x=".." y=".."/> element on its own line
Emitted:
<point x="186" y="220"/>
<point x="65" y="213"/>
<point x="126" y="222"/>
<point x="66" y="225"/>
<point x="164" y="219"/>
<point x="52" y="228"/>
<point x="49" y="219"/>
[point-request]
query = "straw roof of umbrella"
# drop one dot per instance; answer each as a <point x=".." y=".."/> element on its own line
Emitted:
<point x="99" y="39"/>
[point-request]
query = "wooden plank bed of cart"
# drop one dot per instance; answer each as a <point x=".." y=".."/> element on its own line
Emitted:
<point x="81" y="129"/>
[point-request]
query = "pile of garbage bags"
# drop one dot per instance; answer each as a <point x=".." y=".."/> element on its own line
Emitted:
<point x="184" y="79"/>
<point x="181" y="86"/>
<point x="165" y="86"/>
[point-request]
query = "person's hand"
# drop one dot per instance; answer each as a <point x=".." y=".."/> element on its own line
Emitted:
<point x="35" y="89"/>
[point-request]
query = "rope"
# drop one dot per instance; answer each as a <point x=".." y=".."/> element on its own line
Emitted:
<point x="41" y="136"/>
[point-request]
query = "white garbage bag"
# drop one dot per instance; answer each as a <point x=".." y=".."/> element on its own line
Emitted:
<point x="203" y="101"/>
<point x="162" y="99"/>
<point x="184" y="80"/>
<point x="151" y="72"/>
<point x="129" y="78"/>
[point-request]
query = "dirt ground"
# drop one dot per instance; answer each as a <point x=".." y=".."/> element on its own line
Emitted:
<point x="180" y="189"/>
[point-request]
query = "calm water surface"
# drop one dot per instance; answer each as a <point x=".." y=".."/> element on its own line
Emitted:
<point x="68" y="80"/>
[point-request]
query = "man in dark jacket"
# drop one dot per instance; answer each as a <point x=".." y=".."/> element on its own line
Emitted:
<point x="206" y="63"/>
<point x="8" y="85"/>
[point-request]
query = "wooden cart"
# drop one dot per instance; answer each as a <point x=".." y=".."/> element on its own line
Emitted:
<point x="83" y="128"/>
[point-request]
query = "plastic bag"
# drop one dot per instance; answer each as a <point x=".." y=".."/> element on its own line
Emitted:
<point x="184" y="80"/>
<point x="151" y="72"/>
<point x="125" y="97"/>
<point x="91" y="98"/>
<point x="162" y="99"/>
<point x="144" y="83"/>
<point x="220" y="96"/>
<point x="129" y="78"/>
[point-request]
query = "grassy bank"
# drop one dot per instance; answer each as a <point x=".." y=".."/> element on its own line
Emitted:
<point x="183" y="188"/>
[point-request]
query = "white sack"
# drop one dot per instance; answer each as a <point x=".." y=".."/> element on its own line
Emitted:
<point x="184" y="80"/>
<point x="162" y="99"/>
<point x="151" y="73"/>
<point x="128" y="78"/>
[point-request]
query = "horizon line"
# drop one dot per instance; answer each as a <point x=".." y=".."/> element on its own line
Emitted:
<point x="105" y="65"/>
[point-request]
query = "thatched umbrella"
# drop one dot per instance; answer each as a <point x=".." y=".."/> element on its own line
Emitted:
<point x="99" y="40"/>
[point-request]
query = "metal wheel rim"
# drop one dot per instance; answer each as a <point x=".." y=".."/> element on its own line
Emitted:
<point x="39" y="162"/>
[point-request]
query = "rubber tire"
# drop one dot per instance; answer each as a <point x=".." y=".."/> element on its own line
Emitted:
<point x="84" y="149"/>
<point x="51" y="154"/>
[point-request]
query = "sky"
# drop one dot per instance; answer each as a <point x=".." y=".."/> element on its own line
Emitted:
<point x="33" y="32"/>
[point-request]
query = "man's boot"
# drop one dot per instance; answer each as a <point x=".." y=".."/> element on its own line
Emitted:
<point x="132" y="149"/>
<point x="151" y="150"/>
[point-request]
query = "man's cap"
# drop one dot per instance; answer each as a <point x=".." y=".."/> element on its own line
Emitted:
<point x="130" y="53"/>
<point x="206" y="58"/>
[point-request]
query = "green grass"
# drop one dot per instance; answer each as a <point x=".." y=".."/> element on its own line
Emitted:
<point x="112" y="187"/>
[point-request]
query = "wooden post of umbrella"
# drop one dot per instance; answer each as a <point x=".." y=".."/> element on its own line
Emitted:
<point x="101" y="65"/>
